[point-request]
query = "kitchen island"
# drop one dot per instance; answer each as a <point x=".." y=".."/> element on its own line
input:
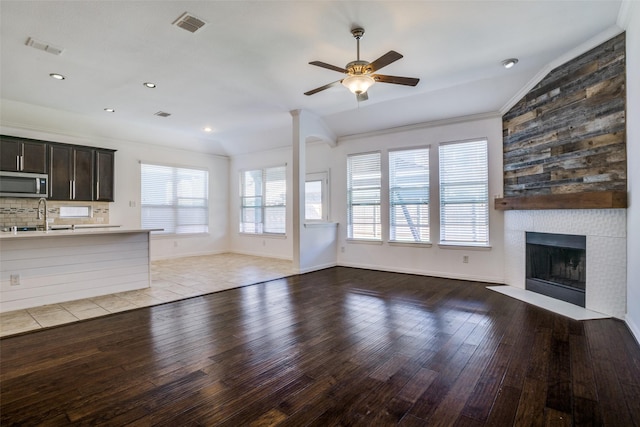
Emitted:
<point x="39" y="268"/>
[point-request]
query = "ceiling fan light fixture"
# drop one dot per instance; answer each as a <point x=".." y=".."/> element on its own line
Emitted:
<point x="358" y="84"/>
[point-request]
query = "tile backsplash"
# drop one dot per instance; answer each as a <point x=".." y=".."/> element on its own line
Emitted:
<point x="24" y="212"/>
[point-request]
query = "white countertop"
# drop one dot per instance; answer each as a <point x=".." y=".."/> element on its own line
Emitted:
<point x="79" y="231"/>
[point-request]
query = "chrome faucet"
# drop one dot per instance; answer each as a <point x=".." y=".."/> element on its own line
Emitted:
<point x="45" y="227"/>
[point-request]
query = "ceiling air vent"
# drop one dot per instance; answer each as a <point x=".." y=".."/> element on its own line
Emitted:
<point x="162" y="114"/>
<point x="40" y="45"/>
<point x="188" y="22"/>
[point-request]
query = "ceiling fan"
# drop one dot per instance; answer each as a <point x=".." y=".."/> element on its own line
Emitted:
<point x="360" y="74"/>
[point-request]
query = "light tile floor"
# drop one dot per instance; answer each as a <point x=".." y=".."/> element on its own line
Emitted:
<point x="172" y="280"/>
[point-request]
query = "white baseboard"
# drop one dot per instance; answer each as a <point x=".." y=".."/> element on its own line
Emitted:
<point x="318" y="267"/>
<point x="633" y="327"/>
<point x="471" y="278"/>
<point x="187" y="255"/>
<point x="260" y="254"/>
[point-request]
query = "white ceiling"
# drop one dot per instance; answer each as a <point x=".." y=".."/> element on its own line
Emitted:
<point x="247" y="68"/>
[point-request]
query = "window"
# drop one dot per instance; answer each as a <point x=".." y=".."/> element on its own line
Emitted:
<point x="409" y="195"/>
<point x="464" y="193"/>
<point x="263" y="194"/>
<point x="175" y="199"/>
<point x="316" y="206"/>
<point x="363" y="196"/>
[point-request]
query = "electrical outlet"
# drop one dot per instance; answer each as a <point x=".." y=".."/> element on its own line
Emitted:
<point x="342" y="249"/>
<point x="465" y="259"/>
<point x="15" y="280"/>
<point x="175" y="244"/>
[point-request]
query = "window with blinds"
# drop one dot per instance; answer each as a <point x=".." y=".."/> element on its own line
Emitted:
<point x="409" y="195"/>
<point x="363" y="196"/>
<point x="464" y="193"/>
<point x="174" y="199"/>
<point x="263" y="197"/>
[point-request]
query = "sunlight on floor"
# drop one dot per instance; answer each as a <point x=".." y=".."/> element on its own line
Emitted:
<point x="172" y="280"/>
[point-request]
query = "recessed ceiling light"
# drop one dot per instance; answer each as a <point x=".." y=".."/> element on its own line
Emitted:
<point x="110" y="110"/>
<point x="57" y="76"/>
<point x="149" y="85"/>
<point x="508" y="63"/>
<point x="207" y="129"/>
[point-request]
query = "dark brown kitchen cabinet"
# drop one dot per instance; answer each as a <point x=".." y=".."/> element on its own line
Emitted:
<point x="72" y="173"/>
<point x="105" y="161"/>
<point x="22" y="155"/>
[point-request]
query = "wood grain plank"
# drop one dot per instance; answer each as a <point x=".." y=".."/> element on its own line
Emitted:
<point x="340" y="346"/>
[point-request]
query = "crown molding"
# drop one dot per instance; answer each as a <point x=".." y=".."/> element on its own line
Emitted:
<point x="423" y="125"/>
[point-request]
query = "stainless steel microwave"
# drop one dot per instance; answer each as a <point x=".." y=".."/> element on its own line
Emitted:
<point x="21" y="184"/>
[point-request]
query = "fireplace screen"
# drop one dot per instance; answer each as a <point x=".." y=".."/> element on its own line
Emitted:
<point x="556" y="266"/>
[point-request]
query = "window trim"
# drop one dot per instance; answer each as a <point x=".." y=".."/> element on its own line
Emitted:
<point x="324" y="196"/>
<point x="263" y="206"/>
<point x="380" y="204"/>
<point x="454" y="243"/>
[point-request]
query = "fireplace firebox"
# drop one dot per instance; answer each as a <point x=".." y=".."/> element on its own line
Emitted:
<point x="556" y="266"/>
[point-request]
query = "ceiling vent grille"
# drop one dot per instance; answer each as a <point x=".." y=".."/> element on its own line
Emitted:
<point x="40" y="45"/>
<point x="188" y="22"/>
<point x="162" y="114"/>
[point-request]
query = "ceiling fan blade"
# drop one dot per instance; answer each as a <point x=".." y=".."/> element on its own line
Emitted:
<point x="328" y="66"/>
<point x="321" y="88"/>
<point x="407" y="81"/>
<point x="384" y="60"/>
<point x="362" y="96"/>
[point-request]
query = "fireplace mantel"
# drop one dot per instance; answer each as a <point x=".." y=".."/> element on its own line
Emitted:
<point x="591" y="200"/>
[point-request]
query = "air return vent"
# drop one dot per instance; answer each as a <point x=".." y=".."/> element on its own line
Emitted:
<point x="40" y="45"/>
<point x="162" y="114"/>
<point x="188" y="22"/>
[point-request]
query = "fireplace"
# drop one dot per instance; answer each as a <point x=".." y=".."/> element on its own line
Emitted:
<point x="556" y="266"/>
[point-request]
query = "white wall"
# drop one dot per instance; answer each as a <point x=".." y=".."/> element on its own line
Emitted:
<point x="483" y="265"/>
<point x="60" y="126"/>
<point x="633" y="180"/>
<point x="273" y="246"/>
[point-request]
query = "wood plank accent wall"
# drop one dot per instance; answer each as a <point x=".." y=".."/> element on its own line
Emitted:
<point x="568" y="134"/>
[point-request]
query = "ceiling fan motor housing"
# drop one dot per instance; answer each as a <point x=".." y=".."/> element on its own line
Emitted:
<point x="358" y="67"/>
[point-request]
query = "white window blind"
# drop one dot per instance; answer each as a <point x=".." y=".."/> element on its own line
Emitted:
<point x="464" y="193"/>
<point x="363" y="196"/>
<point x="174" y="199"/>
<point x="409" y="195"/>
<point x="263" y="195"/>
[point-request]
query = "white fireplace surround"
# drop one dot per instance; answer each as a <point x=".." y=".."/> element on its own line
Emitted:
<point x="605" y="229"/>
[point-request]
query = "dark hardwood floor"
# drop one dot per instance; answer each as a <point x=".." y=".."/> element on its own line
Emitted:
<point x="340" y="346"/>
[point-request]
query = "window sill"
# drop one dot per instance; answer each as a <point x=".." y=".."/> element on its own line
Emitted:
<point x="411" y="244"/>
<point x="263" y="235"/>
<point x="320" y="224"/>
<point x="365" y="241"/>
<point x="465" y="246"/>
<point x="177" y="235"/>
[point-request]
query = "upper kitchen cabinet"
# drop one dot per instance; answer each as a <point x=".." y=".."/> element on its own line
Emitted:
<point x="105" y="162"/>
<point x="22" y="155"/>
<point x="71" y="174"/>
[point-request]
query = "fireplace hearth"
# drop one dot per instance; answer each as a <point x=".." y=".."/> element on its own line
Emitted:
<point x="556" y="266"/>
